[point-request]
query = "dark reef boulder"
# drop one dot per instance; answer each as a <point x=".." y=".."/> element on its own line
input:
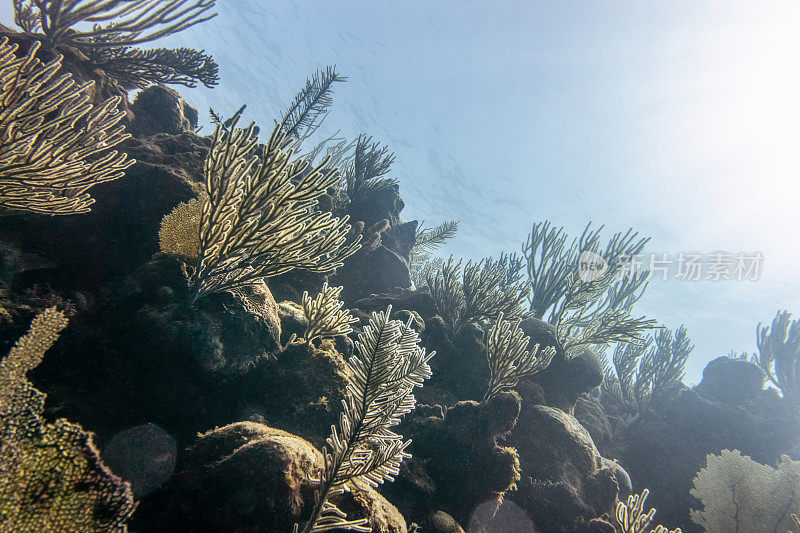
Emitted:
<point x="249" y="477"/>
<point x="457" y="462"/>
<point x="121" y="232"/>
<point x="300" y="390"/>
<point x="142" y="455"/>
<point x="374" y="206"/>
<point x="160" y="109"/>
<point x="564" y="478"/>
<point x="413" y="300"/>
<point x="664" y="449"/>
<point x="731" y="380"/>
<point x="372" y="271"/>
<point x="144" y="355"/>
<point x="589" y="412"/>
<point x="565" y="379"/>
<point x="227" y="332"/>
<point x="400" y="238"/>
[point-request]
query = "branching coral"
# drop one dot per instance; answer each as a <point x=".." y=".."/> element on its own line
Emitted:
<point x="260" y="218"/>
<point x="387" y="365"/>
<point x="325" y="315"/>
<point x="643" y="372"/>
<point x="779" y="354"/>
<point x="509" y="357"/>
<point x="135" y="68"/>
<point x="739" y="494"/>
<point x="54" y="145"/>
<point x="130" y="22"/>
<point x="370" y="162"/>
<point x="426" y="240"/>
<point x="586" y="289"/>
<point x="482" y="293"/>
<point x="310" y="105"/>
<point x="631" y="518"/>
<point x="51" y="476"/>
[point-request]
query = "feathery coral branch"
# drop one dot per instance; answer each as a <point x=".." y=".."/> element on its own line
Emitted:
<point x="130" y="22"/>
<point x="54" y="145"/>
<point x="509" y="357"/>
<point x="260" y="218"/>
<point x="388" y="363"/>
<point x="310" y="104"/>
<point x="325" y="315"/>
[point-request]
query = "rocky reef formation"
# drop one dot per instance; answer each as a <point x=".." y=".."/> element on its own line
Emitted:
<point x="147" y="366"/>
<point x="729" y="409"/>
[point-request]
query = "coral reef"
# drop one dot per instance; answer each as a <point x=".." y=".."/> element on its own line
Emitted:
<point x="251" y="477"/>
<point x="171" y="283"/>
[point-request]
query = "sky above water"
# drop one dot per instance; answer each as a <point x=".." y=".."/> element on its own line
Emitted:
<point x="680" y="119"/>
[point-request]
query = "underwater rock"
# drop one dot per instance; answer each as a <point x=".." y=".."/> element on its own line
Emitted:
<point x="664" y="449"/>
<point x="419" y="301"/>
<point x="144" y="355"/>
<point x="300" y="390"/>
<point x="121" y="232"/>
<point x="731" y="380"/>
<point x="372" y="272"/>
<point x="460" y="368"/>
<point x="564" y="380"/>
<point x="441" y="522"/>
<point x="622" y="477"/>
<point x="457" y="462"/>
<point x="249" y="477"/>
<point x="293" y="320"/>
<point x="143" y="455"/>
<point x="226" y="332"/>
<point x="400" y="238"/>
<point x="589" y="412"/>
<point x="382" y="204"/>
<point x="507" y="517"/>
<point x="563" y="475"/>
<point x="160" y="109"/>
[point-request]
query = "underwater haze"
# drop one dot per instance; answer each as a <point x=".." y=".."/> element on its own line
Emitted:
<point x="679" y="119"/>
<point x="399" y="266"/>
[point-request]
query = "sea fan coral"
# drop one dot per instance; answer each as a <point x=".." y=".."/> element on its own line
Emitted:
<point x="54" y="144"/>
<point x="260" y="218"/>
<point x="180" y="230"/>
<point x="130" y="22"/>
<point x="51" y="476"/>
<point x="739" y="494"/>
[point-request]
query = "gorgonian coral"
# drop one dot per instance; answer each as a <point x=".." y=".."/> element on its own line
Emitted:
<point x="260" y="218"/>
<point x="54" y="144"/>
